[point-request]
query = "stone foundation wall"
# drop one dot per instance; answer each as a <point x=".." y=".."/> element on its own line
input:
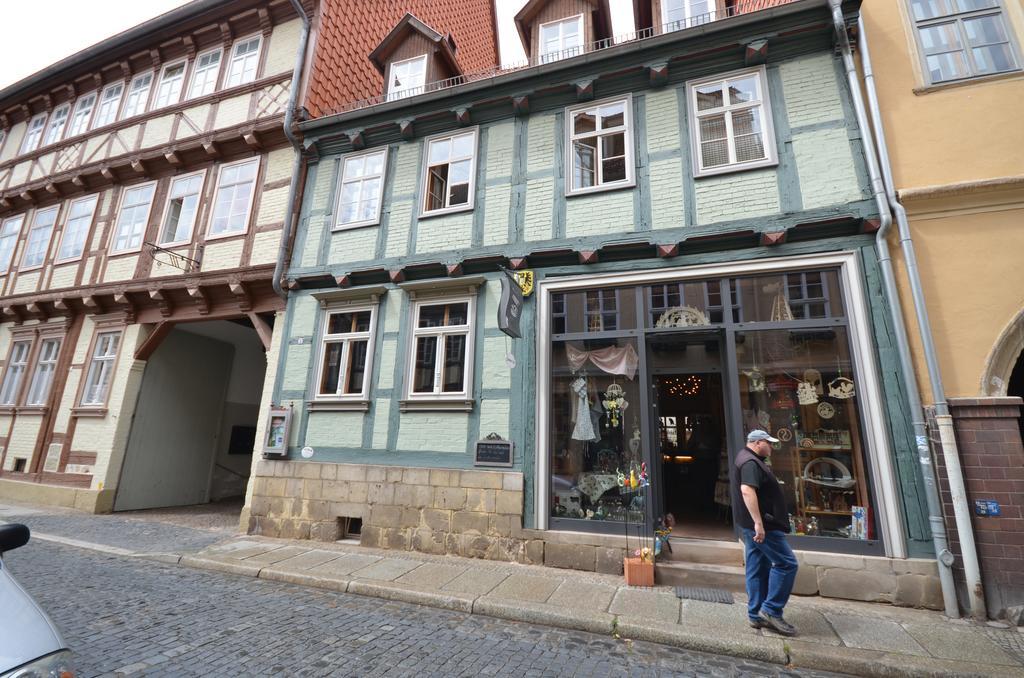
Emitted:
<point x="469" y="513"/>
<point x="913" y="582"/>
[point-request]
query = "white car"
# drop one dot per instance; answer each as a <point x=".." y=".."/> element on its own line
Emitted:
<point x="30" y="645"/>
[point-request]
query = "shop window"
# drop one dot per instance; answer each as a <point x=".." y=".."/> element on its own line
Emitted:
<point x="962" y="39"/>
<point x="76" y="230"/>
<point x="345" y="353"/>
<point x="182" y="209"/>
<point x="34" y="133"/>
<point x="232" y="202"/>
<point x="784" y="297"/>
<point x="42" y="376"/>
<point x="101" y="369"/>
<point x="442" y="349"/>
<point x="593" y="311"/>
<point x="245" y="58"/>
<point x="83" y="113"/>
<point x="58" y="121"/>
<point x="451" y="165"/>
<point x="39" y="235"/>
<point x="362" y="185"/>
<point x="561" y="39"/>
<point x="132" y="217"/>
<point x="600" y="143"/>
<point x="17" y="363"/>
<point x="110" y="101"/>
<point x="204" y="79"/>
<point x="406" y="78"/>
<point x="684" y="304"/>
<point x="595" y="430"/>
<point x="800" y="386"/>
<point x="138" y="95"/>
<point x="732" y="127"/>
<point x="9" y="230"/>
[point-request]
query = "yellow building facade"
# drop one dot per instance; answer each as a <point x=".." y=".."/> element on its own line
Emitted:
<point x="956" y="143"/>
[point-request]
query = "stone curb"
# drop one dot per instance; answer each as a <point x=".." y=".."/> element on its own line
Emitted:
<point x="539" y="613"/>
<point x="759" y="648"/>
<point x="228" y="567"/>
<point x="336" y="584"/>
<point x="875" y="664"/>
<point x="389" y="591"/>
<point x="166" y="558"/>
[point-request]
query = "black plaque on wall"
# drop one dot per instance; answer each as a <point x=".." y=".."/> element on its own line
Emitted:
<point x="493" y="451"/>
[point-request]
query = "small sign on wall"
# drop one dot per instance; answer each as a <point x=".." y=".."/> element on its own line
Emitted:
<point x="494" y="451"/>
<point x="987" y="507"/>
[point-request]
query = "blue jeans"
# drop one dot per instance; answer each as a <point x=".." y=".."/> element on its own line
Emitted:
<point x="771" y="572"/>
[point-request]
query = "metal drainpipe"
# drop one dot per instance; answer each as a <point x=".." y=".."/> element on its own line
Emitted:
<point x="942" y="553"/>
<point x="289" y="118"/>
<point x="943" y="419"/>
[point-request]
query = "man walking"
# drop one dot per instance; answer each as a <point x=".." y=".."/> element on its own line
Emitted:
<point x="760" y="510"/>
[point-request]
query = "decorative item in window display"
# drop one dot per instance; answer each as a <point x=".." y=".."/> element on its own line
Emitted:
<point x="755" y="381"/>
<point x="841" y="388"/>
<point x="817" y="472"/>
<point x="814" y="377"/>
<point x="615" y="404"/>
<point x="784" y="434"/>
<point x="584" y="428"/>
<point x="781" y="312"/>
<point x="764" y="418"/>
<point x="826" y="410"/>
<point x="806" y="394"/>
<point x="683" y="316"/>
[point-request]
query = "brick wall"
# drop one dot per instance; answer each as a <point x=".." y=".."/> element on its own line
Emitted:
<point x="992" y="457"/>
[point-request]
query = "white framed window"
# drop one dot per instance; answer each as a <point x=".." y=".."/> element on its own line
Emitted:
<point x="76" y="228"/>
<point x="34" y="133"/>
<point x="58" y="121"/>
<point x="561" y="39"/>
<point x="181" y="209"/>
<point x="83" y="114"/>
<point x="42" y="375"/>
<point x="731" y="122"/>
<point x="442" y="348"/>
<point x="245" y="59"/>
<point x="172" y="80"/>
<point x="232" y="202"/>
<point x="361" y="190"/>
<point x="677" y="14"/>
<point x="962" y="39"/>
<point x="110" y="102"/>
<point x="132" y="217"/>
<point x="138" y="95"/>
<point x="406" y="78"/>
<point x="10" y="228"/>
<point x="39" y="234"/>
<point x="449" y="177"/>
<point x="15" y="372"/>
<point x="204" y="78"/>
<point x="346" y="353"/>
<point x="600" y="147"/>
<point x="101" y="369"/>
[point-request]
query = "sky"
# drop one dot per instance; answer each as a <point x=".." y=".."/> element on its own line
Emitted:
<point x="28" y="45"/>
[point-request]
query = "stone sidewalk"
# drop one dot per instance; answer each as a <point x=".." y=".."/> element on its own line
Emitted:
<point x="846" y="637"/>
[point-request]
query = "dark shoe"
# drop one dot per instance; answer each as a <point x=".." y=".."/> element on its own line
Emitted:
<point x="777" y="624"/>
<point x="755" y="623"/>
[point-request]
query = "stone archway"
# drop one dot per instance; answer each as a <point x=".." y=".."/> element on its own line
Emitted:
<point x="1003" y="358"/>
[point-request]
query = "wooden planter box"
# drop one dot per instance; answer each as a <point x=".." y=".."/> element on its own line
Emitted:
<point x="639" y="573"/>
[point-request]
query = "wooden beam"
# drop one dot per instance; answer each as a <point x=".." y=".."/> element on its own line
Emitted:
<point x="666" y="251"/>
<point x="37" y="310"/>
<point x="454" y="270"/>
<point x="137" y="166"/>
<point x="521" y="105"/>
<point x="211" y="148"/>
<point x="241" y="296"/>
<point x="657" y="74"/>
<point x="396" y="276"/>
<point x="262" y="329"/>
<point x="153" y="341"/>
<point x="201" y="299"/>
<point x="252" y="140"/>
<point x="756" y="52"/>
<point x="517" y="263"/>
<point x="588" y="256"/>
<point x="406" y="129"/>
<point x="91" y="304"/>
<point x="357" y="137"/>
<point x="51" y="188"/>
<point x="172" y="158"/>
<point x="773" y="238"/>
<point x="107" y="173"/>
<point x="163" y="302"/>
<point x="462" y="116"/>
<point x="584" y="90"/>
<point x="78" y="181"/>
<point x="343" y="281"/>
<point x="128" y="306"/>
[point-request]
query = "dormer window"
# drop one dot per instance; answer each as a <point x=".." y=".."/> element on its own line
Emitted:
<point x="561" y="39"/>
<point x="407" y="78"/>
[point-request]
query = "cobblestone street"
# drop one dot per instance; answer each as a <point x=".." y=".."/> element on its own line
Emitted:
<point x="136" y="617"/>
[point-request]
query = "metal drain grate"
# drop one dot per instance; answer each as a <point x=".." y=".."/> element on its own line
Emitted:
<point x="704" y="594"/>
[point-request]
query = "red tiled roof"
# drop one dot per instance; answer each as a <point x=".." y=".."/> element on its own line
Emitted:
<point x="350" y="29"/>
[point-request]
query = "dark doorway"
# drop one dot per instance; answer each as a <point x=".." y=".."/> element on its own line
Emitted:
<point x="691" y="453"/>
<point x="1015" y="387"/>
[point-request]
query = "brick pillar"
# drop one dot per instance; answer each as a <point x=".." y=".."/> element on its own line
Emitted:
<point x="988" y="435"/>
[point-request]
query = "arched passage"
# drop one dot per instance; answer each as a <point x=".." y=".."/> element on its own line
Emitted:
<point x="1003" y="359"/>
